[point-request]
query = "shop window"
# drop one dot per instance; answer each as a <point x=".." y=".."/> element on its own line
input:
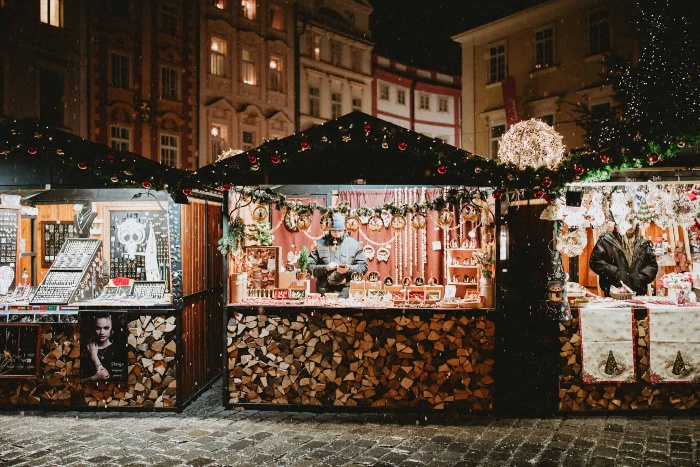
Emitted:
<point x="424" y="102"/>
<point x="384" y="92"/>
<point x="248" y="67"/>
<point x="497" y="62"/>
<point x="169" y="17"/>
<point x="357" y="103"/>
<point x="51" y="95"/>
<point x="314" y="101"/>
<point x="120" y="138"/>
<point x="496" y="132"/>
<point x="218" y="57"/>
<point x="336" y="53"/>
<point x="442" y="104"/>
<point x="248" y="9"/>
<point x="169" y="149"/>
<point x="248" y="140"/>
<point x="401" y="96"/>
<point x="276" y="74"/>
<point x="316" y="46"/>
<point x="276" y="17"/>
<point x="51" y="12"/>
<point x="336" y="105"/>
<point x="599" y="32"/>
<point x="544" y="48"/>
<point x="120" y="75"/>
<point x="170" y="83"/>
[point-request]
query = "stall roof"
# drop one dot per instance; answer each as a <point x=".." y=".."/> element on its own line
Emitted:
<point x="354" y="149"/>
<point x="34" y="156"/>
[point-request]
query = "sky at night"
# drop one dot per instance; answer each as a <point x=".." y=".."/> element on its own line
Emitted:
<point x="418" y="31"/>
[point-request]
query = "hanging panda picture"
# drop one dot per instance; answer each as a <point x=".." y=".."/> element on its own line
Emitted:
<point x="139" y="245"/>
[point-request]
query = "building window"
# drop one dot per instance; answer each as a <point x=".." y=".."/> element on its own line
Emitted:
<point x="336" y="104"/>
<point x="544" y="48"/>
<point x="121" y="8"/>
<point x="336" y="53"/>
<point x="248" y="67"/>
<point x="316" y="46"/>
<point x="220" y="4"/>
<point x="218" y="57"/>
<point x="169" y="83"/>
<point x="52" y="12"/>
<point x="355" y="59"/>
<point x="51" y="94"/>
<point x="276" y="17"/>
<point x="401" y="96"/>
<point x="424" y="102"/>
<point x="248" y="140"/>
<point x="497" y="62"/>
<point x="496" y="132"/>
<point x="120" y="138"/>
<point x="599" y="32"/>
<point x="120" y="73"/>
<point x="276" y="74"/>
<point x="357" y="103"/>
<point x="384" y="92"/>
<point x="169" y="17"/>
<point x="248" y="9"/>
<point x="169" y="149"/>
<point x="601" y="111"/>
<point x="314" y="101"/>
<point x="218" y="139"/>
<point x="442" y="104"/>
<point x="548" y="119"/>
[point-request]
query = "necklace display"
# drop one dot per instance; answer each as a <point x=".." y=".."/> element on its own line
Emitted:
<point x="83" y="221"/>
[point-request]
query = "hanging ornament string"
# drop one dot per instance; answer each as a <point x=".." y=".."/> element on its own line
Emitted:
<point x="424" y="241"/>
<point x="312" y="237"/>
<point x="371" y="242"/>
<point x="279" y="223"/>
<point x="461" y="224"/>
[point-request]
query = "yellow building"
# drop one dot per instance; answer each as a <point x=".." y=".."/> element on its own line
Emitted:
<point x="554" y="53"/>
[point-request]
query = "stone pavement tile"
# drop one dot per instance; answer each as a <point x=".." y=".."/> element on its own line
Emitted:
<point x="574" y="460"/>
<point x="200" y="462"/>
<point x="597" y="461"/>
<point x="394" y="458"/>
<point x="551" y="455"/>
<point x="682" y="446"/>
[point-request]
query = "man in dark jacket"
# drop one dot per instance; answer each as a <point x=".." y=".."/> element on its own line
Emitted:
<point x="335" y="257"/>
<point x="626" y="257"/>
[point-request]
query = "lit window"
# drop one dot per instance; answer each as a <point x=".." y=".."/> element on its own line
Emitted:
<point x="248" y="140"/>
<point x="316" y="46"/>
<point x="120" y="138"/>
<point x="357" y="103"/>
<point x="119" y="73"/>
<point x="248" y="9"/>
<point x="401" y="96"/>
<point x="336" y="53"/>
<point x="496" y="132"/>
<point x="336" y="105"/>
<point x="424" y="102"/>
<point x="599" y="32"/>
<point x="442" y="104"/>
<point x="52" y="12"/>
<point x="384" y="92"/>
<point x="497" y="62"/>
<point x="169" y="18"/>
<point x="276" y="18"/>
<point x="169" y="149"/>
<point x="218" y="140"/>
<point x="218" y="57"/>
<point x="248" y="67"/>
<point x="170" y="83"/>
<point x="220" y="4"/>
<point x="276" y="81"/>
<point x="314" y="101"/>
<point x="544" y="48"/>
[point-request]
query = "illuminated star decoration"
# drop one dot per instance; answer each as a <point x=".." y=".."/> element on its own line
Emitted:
<point x="531" y="143"/>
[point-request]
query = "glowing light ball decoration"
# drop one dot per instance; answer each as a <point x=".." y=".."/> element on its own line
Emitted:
<point x="531" y="143"/>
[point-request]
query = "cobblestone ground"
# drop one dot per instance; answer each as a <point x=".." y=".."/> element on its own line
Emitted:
<point x="205" y="434"/>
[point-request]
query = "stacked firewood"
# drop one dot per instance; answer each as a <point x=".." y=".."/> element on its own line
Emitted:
<point x="410" y="360"/>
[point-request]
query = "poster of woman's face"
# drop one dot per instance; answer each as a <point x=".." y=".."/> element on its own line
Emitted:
<point x="103" y="347"/>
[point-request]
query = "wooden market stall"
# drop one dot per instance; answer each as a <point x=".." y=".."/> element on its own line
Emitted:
<point x="91" y="251"/>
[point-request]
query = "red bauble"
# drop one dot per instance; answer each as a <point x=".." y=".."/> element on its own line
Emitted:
<point x="403" y="146"/>
<point x="546" y="182"/>
<point x="82" y="165"/>
<point x="604" y="158"/>
<point x="111" y="158"/>
<point x="252" y="159"/>
<point x="578" y="170"/>
<point x="146" y="184"/>
<point x="226" y="187"/>
<point x="653" y="158"/>
<point x="187" y="191"/>
<point x="275" y="159"/>
<point x="539" y="193"/>
<point x="367" y="127"/>
<point x="442" y="170"/>
<point x="497" y="194"/>
<point x="305" y="145"/>
<point x="31" y="150"/>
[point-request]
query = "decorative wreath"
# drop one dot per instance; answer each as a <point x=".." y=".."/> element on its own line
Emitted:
<point x="383" y="255"/>
<point x="445" y="218"/>
<point x="369" y="252"/>
<point x="304" y="222"/>
<point x="418" y="221"/>
<point x="352" y="224"/>
<point x="398" y="222"/>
